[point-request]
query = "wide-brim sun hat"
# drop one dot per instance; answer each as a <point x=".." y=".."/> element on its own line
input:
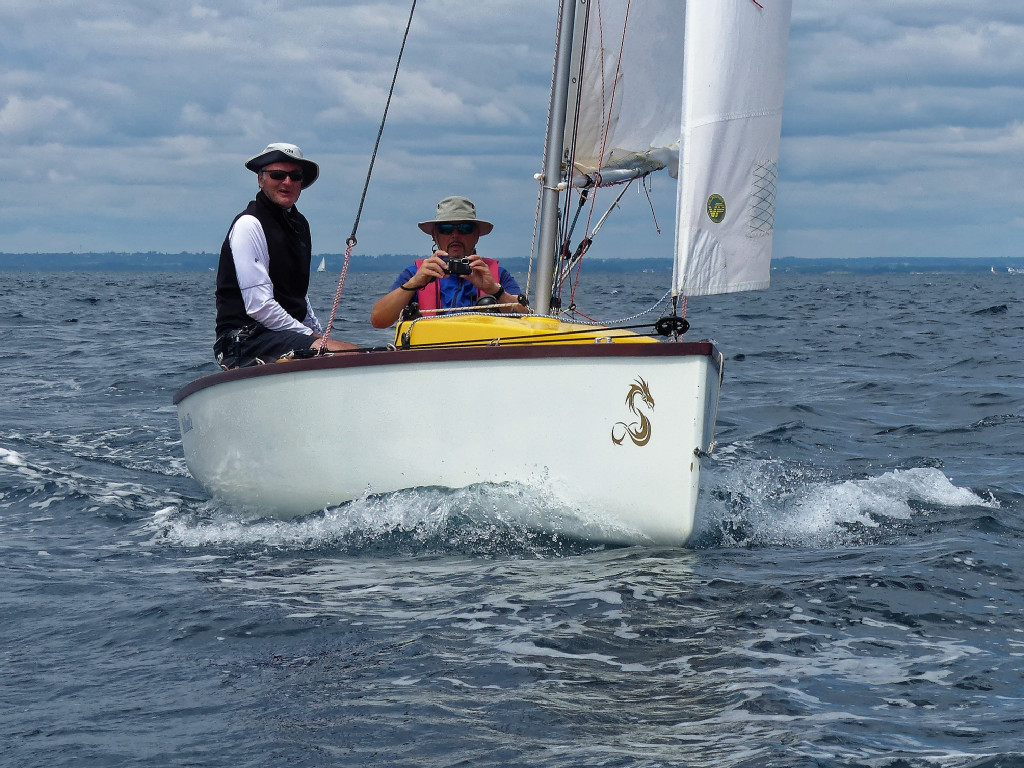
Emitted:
<point x="279" y="152"/>
<point x="456" y="208"/>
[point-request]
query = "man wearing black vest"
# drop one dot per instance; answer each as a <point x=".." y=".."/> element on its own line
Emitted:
<point x="263" y="312"/>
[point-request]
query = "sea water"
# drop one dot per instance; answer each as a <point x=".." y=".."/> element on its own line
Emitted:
<point x="853" y="594"/>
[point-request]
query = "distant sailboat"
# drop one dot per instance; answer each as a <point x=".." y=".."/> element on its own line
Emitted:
<point x="323" y="264"/>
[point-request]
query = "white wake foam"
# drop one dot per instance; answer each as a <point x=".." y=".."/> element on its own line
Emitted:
<point x="481" y="517"/>
<point x="765" y="503"/>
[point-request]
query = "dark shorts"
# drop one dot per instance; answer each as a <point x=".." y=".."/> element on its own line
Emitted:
<point x="255" y="344"/>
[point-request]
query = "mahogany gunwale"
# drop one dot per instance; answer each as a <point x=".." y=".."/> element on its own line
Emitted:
<point x="455" y="354"/>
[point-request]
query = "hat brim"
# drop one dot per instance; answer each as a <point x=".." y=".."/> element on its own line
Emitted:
<point x="484" y="227"/>
<point x="310" y="170"/>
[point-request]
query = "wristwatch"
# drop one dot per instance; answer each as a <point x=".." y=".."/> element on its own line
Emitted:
<point x="497" y="294"/>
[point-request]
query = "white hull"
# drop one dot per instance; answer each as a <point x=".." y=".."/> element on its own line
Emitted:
<point x="296" y="437"/>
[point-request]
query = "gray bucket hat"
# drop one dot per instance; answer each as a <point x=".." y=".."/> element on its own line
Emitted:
<point x="285" y="153"/>
<point x="456" y="208"/>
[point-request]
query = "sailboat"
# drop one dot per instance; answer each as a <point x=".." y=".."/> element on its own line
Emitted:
<point x="613" y="422"/>
<point x="322" y="267"/>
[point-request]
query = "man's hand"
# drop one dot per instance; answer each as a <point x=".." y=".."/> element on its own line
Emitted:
<point x="431" y="269"/>
<point x="333" y="345"/>
<point x="481" y="276"/>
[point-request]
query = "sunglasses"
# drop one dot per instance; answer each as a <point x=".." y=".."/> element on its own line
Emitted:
<point x="282" y="175"/>
<point x="463" y="227"/>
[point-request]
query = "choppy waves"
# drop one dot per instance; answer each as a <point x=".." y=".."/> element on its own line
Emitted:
<point x="851" y="596"/>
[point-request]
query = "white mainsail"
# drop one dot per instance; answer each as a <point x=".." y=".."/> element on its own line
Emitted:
<point x="719" y="65"/>
<point x="630" y="97"/>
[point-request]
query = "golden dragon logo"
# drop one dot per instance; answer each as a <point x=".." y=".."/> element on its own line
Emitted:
<point x="639" y="431"/>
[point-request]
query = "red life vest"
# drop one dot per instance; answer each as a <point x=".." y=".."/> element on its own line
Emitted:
<point x="429" y="296"/>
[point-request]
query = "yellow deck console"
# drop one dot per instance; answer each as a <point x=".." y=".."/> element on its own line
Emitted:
<point x="489" y="329"/>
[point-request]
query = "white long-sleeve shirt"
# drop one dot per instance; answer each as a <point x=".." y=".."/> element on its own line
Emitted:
<point x="252" y="267"/>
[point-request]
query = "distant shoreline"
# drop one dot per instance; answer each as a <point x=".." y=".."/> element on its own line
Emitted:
<point x="197" y="262"/>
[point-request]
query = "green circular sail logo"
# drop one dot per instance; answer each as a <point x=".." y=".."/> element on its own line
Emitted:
<point x="716" y="208"/>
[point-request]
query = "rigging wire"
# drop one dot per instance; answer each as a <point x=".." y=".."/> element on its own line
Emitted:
<point x="588" y="239"/>
<point x="570" y="160"/>
<point x="647" y="192"/>
<point x="607" y="109"/>
<point x="565" y="265"/>
<point x="350" y="243"/>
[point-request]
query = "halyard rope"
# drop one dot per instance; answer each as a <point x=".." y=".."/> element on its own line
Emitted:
<point x="350" y="243"/>
<point x="607" y="110"/>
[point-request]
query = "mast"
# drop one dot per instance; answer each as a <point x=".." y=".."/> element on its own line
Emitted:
<point x="547" y="240"/>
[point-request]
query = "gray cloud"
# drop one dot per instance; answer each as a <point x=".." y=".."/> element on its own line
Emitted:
<point x="129" y="122"/>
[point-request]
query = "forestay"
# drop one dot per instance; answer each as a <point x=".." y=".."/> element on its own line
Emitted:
<point x="698" y="90"/>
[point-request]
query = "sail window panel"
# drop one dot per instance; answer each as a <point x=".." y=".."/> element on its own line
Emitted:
<point x="761" y="220"/>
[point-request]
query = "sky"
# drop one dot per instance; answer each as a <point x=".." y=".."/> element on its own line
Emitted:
<point x="126" y="124"/>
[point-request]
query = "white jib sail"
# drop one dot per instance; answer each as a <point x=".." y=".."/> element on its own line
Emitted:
<point x="734" y="79"/>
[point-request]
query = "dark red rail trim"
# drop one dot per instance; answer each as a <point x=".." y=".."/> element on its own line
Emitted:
<point x="457" y="354"/>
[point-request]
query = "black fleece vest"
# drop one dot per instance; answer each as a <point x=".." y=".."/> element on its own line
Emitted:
<point x="290" y="248"/>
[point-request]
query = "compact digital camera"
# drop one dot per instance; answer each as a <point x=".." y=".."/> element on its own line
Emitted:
<point x="458" y="267"/>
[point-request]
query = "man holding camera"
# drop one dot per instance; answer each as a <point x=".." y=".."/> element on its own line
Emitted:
<point x="454" y="275"/>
